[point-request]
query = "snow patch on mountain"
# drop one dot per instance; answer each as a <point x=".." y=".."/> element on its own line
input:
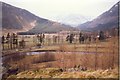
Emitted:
<point x="72" y="19"/>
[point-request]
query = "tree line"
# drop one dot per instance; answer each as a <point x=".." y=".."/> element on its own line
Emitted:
<point x="12" y="42"/>
<point x="83" y="37"/>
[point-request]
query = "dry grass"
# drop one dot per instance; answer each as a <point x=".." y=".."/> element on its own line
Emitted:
<point x="90" y="74"/>
<point x="98" y="56"/>
<point x="65" y="60"/>
<point x="56" y="73"/>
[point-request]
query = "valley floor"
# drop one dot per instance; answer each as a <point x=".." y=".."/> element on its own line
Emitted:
<point x="43" y="65"/>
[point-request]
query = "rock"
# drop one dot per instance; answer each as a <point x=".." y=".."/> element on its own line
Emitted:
<point x="12" y="71"/>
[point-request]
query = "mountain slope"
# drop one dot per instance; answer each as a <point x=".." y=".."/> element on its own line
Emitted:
<point x="49" y="27"/>
<point x="20" y="19"/>
<point x="105" y="21"/>
<point x="16" y="18"/>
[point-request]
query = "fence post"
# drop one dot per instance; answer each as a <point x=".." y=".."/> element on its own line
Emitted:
<point x="3" y="42"/>
<point x="96" y="55"/>
<point x="113" y="54"/>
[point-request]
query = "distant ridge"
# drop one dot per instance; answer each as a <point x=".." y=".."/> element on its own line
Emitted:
<point x="21" y="19"/>
<point x="105" y="21"/>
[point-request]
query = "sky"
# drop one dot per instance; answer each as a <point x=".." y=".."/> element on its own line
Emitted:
<point x="50" y="9"/>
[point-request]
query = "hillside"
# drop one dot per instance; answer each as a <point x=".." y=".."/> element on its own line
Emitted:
<point x="105" y="21"/>
<point x="18" y="19"/>
<point x="50" y="27"/>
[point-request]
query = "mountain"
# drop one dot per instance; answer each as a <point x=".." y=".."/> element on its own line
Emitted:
<point x="22" y="20"/>
<point x="49" y="27"/>
<point x="16" y="18"/>
<point x="72" y="19"/>
<point x="105" y="21"/>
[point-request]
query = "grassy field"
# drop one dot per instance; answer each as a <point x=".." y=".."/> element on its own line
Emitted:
<point x="100" y="59"/>
<point x="107" y="46"/>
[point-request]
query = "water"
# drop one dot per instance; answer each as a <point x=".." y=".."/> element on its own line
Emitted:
<point x="20" y="56"/>
<point x="35" y="53"/>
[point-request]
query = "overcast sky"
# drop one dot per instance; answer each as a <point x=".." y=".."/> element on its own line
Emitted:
<point x="52" y="8"/>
